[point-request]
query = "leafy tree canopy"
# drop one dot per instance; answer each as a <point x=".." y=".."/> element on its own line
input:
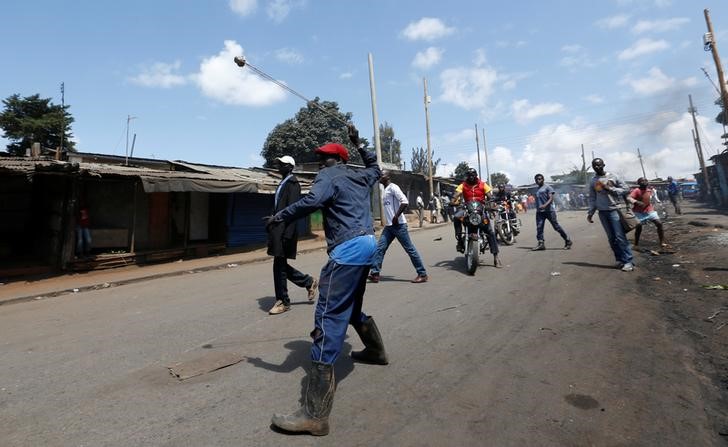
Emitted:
<point x="419" y="162"/>
<point x="498" y="178"/>
<point x="33" y="119"/>
<point x="309" y="129"/>
<point x="391" y="147"/>
<point x="460" y="170"/>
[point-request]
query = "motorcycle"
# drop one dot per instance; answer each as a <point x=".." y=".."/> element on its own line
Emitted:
<point x="507" y="226"/>
<point x="474" y="239"/>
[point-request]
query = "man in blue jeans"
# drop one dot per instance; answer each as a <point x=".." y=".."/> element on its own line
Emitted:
<point x="606" y="194"/>
<point x="395" y="227"/>
<point x="545" y="210"/>
<point x="343" y="195"/>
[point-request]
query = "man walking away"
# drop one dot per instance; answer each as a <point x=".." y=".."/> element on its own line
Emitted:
<point x="283" y="241"/>
<point x="673" y="192"/>
<point x="343" y="194"/>
<point x="545" y="210"/>
<point x="606" y="192"/>
<point x="395" y="227"/>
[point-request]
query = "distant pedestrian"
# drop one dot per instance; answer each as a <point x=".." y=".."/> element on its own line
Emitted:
<point x="641" y="199"/>
<point x="283" y="241"/>
<point x="395" y="227"/>
<point x="673" y="192"/>
<point x="606" y="195"/>
<point x="524" y="202"/>
<point x="545" y="210"/>
<point x="83" y="232"/>
<point x="420" y="206"/>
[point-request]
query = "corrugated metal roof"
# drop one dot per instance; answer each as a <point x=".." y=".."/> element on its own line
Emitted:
<point x="195" y="177"/>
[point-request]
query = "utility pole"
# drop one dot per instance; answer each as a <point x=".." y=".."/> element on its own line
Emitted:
<point x="485" y="150"/>
<point x="639" y="155"/>
<point x="583" y="165"/>
<point x="711" y="45"/>
<point x="698" y="146"/>
<point x="63" y="119"/>
<point x="427" y="127"/>
<point x="128" y="118"/>
<point x="477" y="149"/>
<point x="377" y="141"/>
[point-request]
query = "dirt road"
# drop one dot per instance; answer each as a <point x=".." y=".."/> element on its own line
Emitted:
<point x="508" y="357"/>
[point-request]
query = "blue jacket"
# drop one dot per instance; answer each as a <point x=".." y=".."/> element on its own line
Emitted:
<point x="344" y="196"/>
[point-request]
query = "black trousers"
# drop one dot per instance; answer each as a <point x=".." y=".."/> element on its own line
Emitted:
<point x="282" y="272"/>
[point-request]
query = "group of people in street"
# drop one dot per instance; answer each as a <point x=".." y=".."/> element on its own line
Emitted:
<point x="356" y="256"/>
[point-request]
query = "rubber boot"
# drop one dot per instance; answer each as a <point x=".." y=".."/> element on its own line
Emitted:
<point x="313" y="416"/>
<point x="373" y="351"/>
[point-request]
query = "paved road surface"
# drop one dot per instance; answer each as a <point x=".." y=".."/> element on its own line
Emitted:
<point x="508" y="357"/>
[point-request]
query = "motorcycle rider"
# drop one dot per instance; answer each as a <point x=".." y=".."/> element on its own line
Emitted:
<point x="503" y="196"/>
<point x="474" y="189"/>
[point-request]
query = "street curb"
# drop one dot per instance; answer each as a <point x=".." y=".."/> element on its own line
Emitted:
<point x="107" y="285"/>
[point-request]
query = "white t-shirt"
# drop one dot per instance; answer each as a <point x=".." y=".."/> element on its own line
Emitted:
<point x="392" y="198"/>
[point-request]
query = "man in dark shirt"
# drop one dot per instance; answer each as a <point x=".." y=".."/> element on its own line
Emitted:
<point x="545" y="210"/>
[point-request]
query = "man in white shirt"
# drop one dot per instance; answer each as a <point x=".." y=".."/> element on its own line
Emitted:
<point x="395" y="202"/>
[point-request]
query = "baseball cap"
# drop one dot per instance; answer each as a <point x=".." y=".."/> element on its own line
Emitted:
<point x="287" y="159"/>
<point x="334" y="149"/>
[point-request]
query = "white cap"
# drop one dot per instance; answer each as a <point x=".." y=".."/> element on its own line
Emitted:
<point x="287" y="159"/>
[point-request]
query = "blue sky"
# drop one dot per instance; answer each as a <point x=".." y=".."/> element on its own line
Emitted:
<point x="542" y="77"/>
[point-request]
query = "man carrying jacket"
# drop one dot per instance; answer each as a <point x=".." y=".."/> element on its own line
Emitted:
<point x="344" y="196"/>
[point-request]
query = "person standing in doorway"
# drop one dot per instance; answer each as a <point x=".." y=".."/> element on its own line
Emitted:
<point x="83" y="232"/>
<point x="283" y="241"/>
<point x="395" y="227"/>
<point x="545" y="210"/>
<point x="606" y="193"/>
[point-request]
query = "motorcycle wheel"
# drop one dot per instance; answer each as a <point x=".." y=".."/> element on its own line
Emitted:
<point x="506" y="235"/>
<point x="471" y="256"/>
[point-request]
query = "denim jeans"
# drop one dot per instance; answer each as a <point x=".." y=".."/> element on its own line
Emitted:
<point x="283" y="272"/>
<point x="83" y="241"/>
<point x="341" y="293"/>
<point x="399" y="232"/>
<point x="541" y="218"/>
<point x="615" y="234"/>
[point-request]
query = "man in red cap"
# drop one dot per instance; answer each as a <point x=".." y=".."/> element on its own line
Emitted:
<point x="343" y="194"/>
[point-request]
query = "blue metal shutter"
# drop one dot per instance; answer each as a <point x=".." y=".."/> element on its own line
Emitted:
<point x="244" y="218"/>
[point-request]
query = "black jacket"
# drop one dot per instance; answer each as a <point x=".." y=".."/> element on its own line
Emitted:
<point x="283" y="237"/>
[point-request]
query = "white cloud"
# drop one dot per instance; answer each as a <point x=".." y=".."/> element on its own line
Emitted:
<point x="510" y="80"/>
<point x="524" y="111"/>
<point x="428" y="58"/>
<point x="594" y="99"/>
<point x="160" y="74"/>
<point x="658" y="26"/>
<point x="427" y="29"/>
<point x="278" y="10"/>
<point x="643" y="47"/>
<point x="510" y="43"/>
<point x="656" y="82"/>
<point x="480" y="58"/>
<point x="613" y="22"/>
<point x="243" y="7"/>
<point x="289" y="56"/>
<point x="467" y="88"/>
<point x="220" y="79"/>
<point x="346" y="75"/>
<point x="573" y="48"/>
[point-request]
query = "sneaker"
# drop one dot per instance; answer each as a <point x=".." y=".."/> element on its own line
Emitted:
<point x="539" y="247"/>
<point x="374" y="277"/>
<point x="312" y="290"/>
<point x="618" y="265"/>
<point x="420" y="278"/>
<point x="279" y="307"/>
<point x="568" y="244"/>
<point x="628" y="267"/>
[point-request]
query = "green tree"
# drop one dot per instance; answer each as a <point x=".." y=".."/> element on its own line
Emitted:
<point x="575" y="176"/>
<point x="419" y="162"/>
<point x="310" y="128"/>
<point x="460" y="170"/>
<point x="33" y="119"/>
<point x="391" y="147"/>
<point x="497" y="178"/>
